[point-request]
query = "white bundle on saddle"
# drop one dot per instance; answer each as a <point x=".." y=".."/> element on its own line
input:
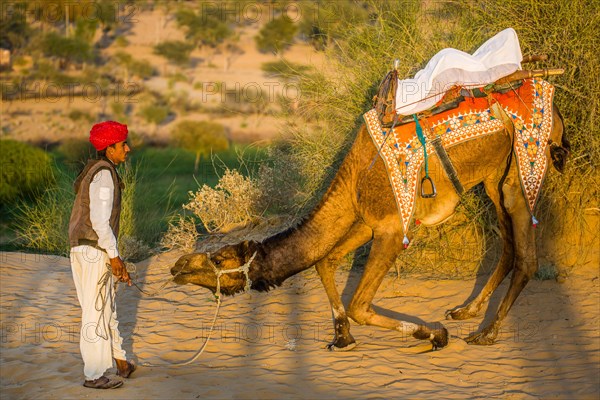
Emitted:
<point x="498" y="57"/>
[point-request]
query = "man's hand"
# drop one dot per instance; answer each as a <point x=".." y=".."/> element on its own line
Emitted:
<point x="119" y="270"/>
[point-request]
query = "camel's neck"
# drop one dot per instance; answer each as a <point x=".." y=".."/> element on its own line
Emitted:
<point x="297" y="249"/>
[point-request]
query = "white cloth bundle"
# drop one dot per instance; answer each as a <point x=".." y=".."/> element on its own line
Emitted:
<point x="498" y="57"/>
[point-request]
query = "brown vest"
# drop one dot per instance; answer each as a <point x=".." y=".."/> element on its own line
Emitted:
<point x="80" y="226"/>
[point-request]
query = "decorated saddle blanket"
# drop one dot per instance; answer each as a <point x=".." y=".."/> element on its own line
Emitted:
<point x="530" y="109"/>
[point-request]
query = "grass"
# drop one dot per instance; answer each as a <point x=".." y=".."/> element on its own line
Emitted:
<point x="157" y="184"/>
<point x="332" y="103"/>
<point x="166" y="175"/>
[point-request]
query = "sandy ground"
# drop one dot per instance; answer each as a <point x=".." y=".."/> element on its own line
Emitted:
<point x="272" y="345"/>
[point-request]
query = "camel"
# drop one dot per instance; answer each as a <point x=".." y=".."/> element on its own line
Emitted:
<point x="358" y="208"/>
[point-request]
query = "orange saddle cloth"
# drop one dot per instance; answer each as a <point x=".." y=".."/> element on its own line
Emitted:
<point x="529" y="107"/>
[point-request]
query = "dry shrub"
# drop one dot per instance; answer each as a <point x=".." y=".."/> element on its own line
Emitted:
<point x="457" y="248"/>
<point x="235" y="200"/>
<point x="181" y="234"/>
<point x="132" y="249"/>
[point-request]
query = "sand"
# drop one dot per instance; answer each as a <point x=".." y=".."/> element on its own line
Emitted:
<point x="271" y="345"/>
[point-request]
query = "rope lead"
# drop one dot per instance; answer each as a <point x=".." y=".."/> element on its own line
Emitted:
<point x="421" y="137"/>
<point x="218" y="272"/>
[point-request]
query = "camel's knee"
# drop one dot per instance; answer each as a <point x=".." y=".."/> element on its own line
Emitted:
<point x="511" y="193"/>
<point x="324" y="268"/>
<point x="527" y="272"/>
<point x="526" y="266"/>
<point x="359" y="313"/>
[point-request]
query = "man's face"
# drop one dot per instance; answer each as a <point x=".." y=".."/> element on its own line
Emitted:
<point x="118" y="153"/>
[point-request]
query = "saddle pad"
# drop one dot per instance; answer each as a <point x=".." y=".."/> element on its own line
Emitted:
<point x="529" y="107"/>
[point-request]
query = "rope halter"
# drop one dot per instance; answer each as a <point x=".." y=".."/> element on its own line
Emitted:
<point x="219" y="272"/>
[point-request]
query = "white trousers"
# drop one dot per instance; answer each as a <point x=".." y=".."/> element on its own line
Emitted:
<point x="100" y="339"/>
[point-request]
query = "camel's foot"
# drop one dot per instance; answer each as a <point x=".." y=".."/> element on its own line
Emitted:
<point x="485" y="337"/>
<point x="437" y="337"/>
<point x="440" y="338"/>
<point x="460" y="313"/>
<point x="342" y="343"/>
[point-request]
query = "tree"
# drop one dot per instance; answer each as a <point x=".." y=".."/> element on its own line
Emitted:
<point x="67" y="50"/>
<point x="325" y="21"/>
<point x="14" y="29"/>
<point x="85" y="29"/>
<point x="277" y="35"/>
<point x="175" y="51"/>
<point x="233" y="52"/>
<point x="201" y="137"/>
<point x="204" y="30"/>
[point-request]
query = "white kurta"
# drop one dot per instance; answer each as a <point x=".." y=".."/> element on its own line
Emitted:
<point x="498" y="57"/>
<point x="88" y="265"/>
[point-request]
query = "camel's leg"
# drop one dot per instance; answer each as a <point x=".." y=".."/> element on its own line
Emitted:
<point x="525" y="256"/>
<point x="384" y="251"/>
<point x="505" y="264"/>
<point x="358" y="235"/>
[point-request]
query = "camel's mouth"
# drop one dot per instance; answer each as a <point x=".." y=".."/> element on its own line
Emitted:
<point x="192" y="268"/>
<point x="180" y="277"/>
<point x="181" y="270"/>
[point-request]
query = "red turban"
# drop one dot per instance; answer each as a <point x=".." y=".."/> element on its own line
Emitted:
<point x="106" y="133"/>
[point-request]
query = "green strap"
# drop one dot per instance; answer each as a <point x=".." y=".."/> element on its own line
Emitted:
<point x="422" y="140"/>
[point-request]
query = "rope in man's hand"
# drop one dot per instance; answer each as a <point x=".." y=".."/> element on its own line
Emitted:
<point x="120" y="270"/>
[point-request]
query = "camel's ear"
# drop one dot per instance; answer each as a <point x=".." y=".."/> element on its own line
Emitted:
<point x="248" y="248"/>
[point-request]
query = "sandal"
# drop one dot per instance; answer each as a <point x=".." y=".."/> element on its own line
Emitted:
<point x="103" y="383"/>
<point x="125" y="368"/>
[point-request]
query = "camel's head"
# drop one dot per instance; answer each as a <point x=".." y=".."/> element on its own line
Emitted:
<point x="560" y="147"/>
<point x="202" y="268"/>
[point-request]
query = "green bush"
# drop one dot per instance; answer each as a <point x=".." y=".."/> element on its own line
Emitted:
<point x="45" y="70"/>
<point x="326" y="21"/>
<point x="25" y="170"/>
<point x="140" y="68"/>
<point x="121" y="41"/>
<point x="277" y="35"/>
<point x="67" y="49"/>
<point x="175" y="51"/>
<point x="154" y="114"/>
<point x="75" y="151"/>
<point x="44" y="225"/>
<point x="203" y="28"/>
<point x="77" y="115"/>
<point x="284" y="69"/>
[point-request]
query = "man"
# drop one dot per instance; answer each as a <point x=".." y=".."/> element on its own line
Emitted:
<point x="93" y="233"/>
